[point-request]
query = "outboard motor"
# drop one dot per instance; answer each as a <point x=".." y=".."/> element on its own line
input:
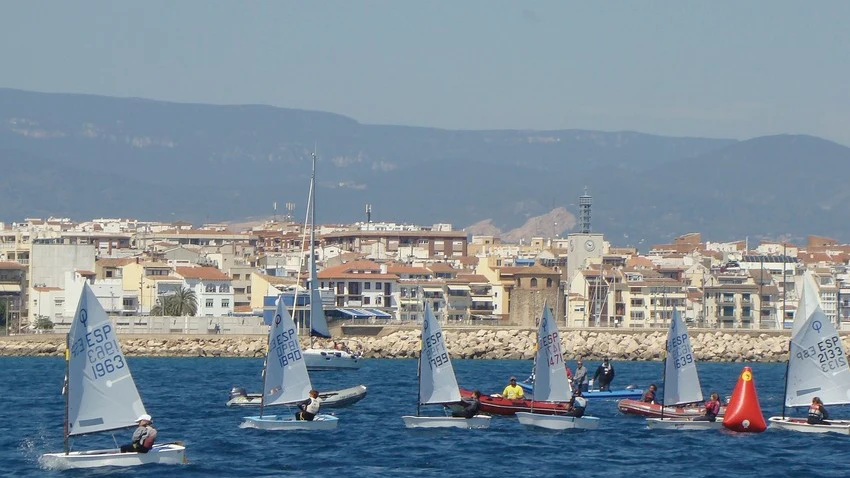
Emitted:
<point x="237" y="392"/>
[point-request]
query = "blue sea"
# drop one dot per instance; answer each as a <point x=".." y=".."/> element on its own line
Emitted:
<point x="186" y="397"/>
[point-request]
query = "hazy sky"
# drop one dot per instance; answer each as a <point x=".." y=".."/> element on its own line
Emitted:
<point x="710" y="68"/>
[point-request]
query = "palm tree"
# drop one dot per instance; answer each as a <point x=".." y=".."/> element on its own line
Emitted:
<point x="182" y="302"/>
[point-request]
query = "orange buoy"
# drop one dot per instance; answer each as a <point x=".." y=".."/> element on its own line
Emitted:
<point x="743" y="413"/>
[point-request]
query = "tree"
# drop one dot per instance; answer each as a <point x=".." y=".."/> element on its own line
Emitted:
<point x="182" y="302"/>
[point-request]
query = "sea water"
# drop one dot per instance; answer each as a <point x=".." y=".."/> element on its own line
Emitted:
<point x="186" y="397"/>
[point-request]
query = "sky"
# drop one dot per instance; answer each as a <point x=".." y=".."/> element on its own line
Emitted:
<point x="720" y="68"/>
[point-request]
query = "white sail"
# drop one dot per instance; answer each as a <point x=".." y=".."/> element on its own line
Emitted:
<point x="550" y="379"/>
<point x="286" y="379"/>
<point x="817" y="364"/>
<point x="681" y="381"/>
<point x="807" y="304"/>
<point x="437" y="382"/>
<point x="101" y="392"/>
<point x="318" y="322"/>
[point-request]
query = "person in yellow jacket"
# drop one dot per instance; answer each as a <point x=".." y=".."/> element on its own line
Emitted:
<point x="513" y="391"/>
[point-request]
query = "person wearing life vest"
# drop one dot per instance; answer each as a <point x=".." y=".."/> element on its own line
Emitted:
<point x="712" y="409"/>
<point x="817" y="413"/>
<point x="310" y="407"/>
<point x="649" y="395"/>
<point x="143" y="437"/>
<point x="577" y="404"/>
<point x="513" y="391"/>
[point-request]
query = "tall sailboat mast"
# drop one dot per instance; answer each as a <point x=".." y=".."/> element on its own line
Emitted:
<point x="313" y="275"/>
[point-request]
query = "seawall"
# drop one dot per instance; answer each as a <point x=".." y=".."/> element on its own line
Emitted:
<point x="708" y="345"/>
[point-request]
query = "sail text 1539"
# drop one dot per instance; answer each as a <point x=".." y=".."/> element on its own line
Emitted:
<point x="286" y="347"/>
<point x="101" y="349"/>
<point x="551" y="344"/>
<point x="435" y="350"/>
<point x="826" y="352"/>
<point x="679" y="348"/>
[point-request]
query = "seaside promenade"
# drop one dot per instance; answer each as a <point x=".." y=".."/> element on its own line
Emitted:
<point x="403" y="342"/>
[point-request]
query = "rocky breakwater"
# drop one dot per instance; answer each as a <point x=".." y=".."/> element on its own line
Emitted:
<point x="709" y="346"/>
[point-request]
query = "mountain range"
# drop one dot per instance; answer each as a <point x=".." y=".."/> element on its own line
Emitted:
<point x="85" y="156"/>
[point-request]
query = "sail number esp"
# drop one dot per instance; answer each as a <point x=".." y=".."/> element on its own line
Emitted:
<point x="435" y="351"/>
<point x="679" y="348"/>
<point x="552" y="345"/>
<point x="827" y="352"/>
<point x="101" y="349"/>
<point x="286" y="347"/>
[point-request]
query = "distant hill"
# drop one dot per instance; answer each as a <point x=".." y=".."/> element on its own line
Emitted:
<point x="85" y="156"/>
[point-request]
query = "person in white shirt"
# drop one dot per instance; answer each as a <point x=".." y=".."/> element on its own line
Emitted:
<point x="310" y="407"/>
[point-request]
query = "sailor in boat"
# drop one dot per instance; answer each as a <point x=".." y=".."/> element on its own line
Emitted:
<point x="712" y="408"/>
<point x="310" y="407"/>
<point x="513" y="391"/>
<point x="817" y="413"/>
<point x="649" y="395"/>
<point x="605" y="374"/>
<point x="470" y="407"/>
<point x="576" y="405"/>
<point x="143" y="437"/>
<point x="580" y="377"/>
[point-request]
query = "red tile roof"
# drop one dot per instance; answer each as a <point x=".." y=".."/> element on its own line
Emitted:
<point x="202" y="273"/>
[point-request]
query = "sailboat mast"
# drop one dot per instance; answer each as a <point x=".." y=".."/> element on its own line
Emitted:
<point x="65" y="388"/>
<point x="785" y="389"/>
<point x="664" y="375"/>
<point x="312" y="243"/>
<point x="266" y="361"/>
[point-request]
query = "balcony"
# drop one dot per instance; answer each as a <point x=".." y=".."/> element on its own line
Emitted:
<point x="727" y="300"/>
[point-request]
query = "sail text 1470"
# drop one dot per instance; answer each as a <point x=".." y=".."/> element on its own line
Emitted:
<point x="101" y="349"/>
<point x="679" y="347"/>
<point x="435" y="350"/>
<point x="552" y="345"/>
<point x="286" y="347"/>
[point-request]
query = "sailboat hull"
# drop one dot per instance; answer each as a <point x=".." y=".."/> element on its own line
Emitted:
<point x="683" y="424"/>
<point x="557" y="422"/>
<point x="166" y="454"/>
<point x="330" y="359"/>
<point x="800" y="425"/>
<point x="478" y="421"/>
<point x="287" y="422"/>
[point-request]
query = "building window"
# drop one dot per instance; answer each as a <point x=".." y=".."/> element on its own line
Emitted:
<point x="366" y="300"/>
<point x="548" y="283"/>
<point x="367" y="285"/>
<point x="533" y="282"/>
<point x="108" y="274"/>
<point x="209" y="303"/>
<point x="210" y="288"/>
<point x="225" y="302"/>
<point x="224" y="288"/>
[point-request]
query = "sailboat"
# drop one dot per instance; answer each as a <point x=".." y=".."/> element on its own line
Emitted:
<point x="321" y="358"/>
<point x="437" y="382"/>
<point x="285" y="379"/>
<point x="681" y="381"/>
<point x="551" y="383"/>
<point x="100" y="394"/>
<point x="817" y="367"/>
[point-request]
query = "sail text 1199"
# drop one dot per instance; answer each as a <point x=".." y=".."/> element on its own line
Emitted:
<point x="679" y="347"/>
<point x="101" y="350"/>
<point x="286" y="347"/>
<point x="435" y="350"/>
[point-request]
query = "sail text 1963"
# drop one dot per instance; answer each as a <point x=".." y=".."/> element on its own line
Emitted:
<point x="552" y="345"/>
<point x="827" y="352"/>
<point x="435" y="350"/>
<point x="679" y="348"/>
<point x="101" y="349"/>
<point x="286" y="347"/>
